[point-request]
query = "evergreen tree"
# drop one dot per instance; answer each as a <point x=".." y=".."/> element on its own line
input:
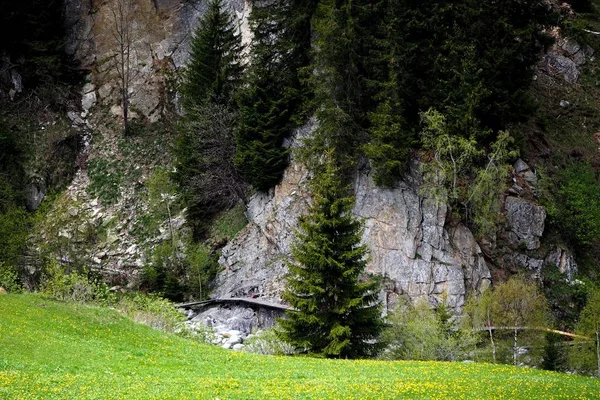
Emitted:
<point x="215" y="69"/>
<point x="470" y="59"/>
<point x="205" y="147"/>
<point x="273" y="100"/>
<point x="335" y="310"/>
<point x="343" y="65"/>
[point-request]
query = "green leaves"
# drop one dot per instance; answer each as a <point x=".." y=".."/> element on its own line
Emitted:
<point x="579" y="204"/>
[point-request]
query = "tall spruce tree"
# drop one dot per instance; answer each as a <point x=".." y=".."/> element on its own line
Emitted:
<point x="343" y="65"/>
<point x="215" y="69"/>
<point x="335" y="309"/>
<point x="470" y="59"/>
<point x="273" y="100"/>
<point x="205" y="148"/>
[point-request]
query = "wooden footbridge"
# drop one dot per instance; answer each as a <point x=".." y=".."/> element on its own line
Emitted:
<point x="244" y="301"/>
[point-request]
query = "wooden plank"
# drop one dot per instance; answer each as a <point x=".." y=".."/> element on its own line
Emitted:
<point x="524" y="328"/>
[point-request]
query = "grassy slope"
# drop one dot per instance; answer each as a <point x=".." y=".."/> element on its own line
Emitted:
<point x="54" y="350"/>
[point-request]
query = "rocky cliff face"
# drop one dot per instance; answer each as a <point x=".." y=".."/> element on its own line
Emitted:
<point x="161" y="35"/>
<point x="415" y="246"/>
<point x="412" y="245"/>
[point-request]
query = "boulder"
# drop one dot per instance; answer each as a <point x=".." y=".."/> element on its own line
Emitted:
<point x="556" y="63"/>
<point x="34" y="194"/>
<point x="526" y="222"/>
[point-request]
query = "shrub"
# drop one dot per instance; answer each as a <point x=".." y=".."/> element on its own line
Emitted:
<point x="267" y="342"/>
<point x="64" y="285"/>
<point x="9" y="279"/>
<point x="579" y="204"/>
<point x="419" y="332"/>
<point x="151" y="310"/>
<point x="201" y="267"/>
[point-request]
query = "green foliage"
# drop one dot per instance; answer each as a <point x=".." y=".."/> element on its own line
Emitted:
<point x="518" y="302"/>
<point x="389" y="147"/>
<point x="453" y="157"/>
<point x="14" y="231"/>
<point x="340" y="77"/>
<point x="14" y="220"/>
<point x="457" y="172"/>
<point x="228" y="224"/>
<point x="215" y="68"/>
<point x="201" y="266"/>
<point x="206" y="174"/>
<point x="419" y="332"/>
<point x="273" y="100"/>
<point x="489" y="185"/>
<point x="515" y="311"/>
<point x="9" y="279"/>
<point x="336" y="312"/>
<point x="471" y="59"/>
<point x="60" y="284"/>
<point x="151" y="310"/>
<point x="555" y="357"/>
<point x="579" y="205"/>
<point x="267" y="342"/>
<point x="205" y="148"/>
<point x="566" y="298"/>
<point x="163" y="274"/>
<point x="589" y="324"/>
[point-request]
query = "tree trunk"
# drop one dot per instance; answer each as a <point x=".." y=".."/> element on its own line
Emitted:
<point x="125" y="113"/>
<point x="515" y="348"/>
<point x="598" y="348"/>
<point x="489" y="323"/>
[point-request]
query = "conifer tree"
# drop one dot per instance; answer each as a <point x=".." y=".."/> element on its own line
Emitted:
<point x="342" y="68"/>
<point x="215" y="67"/>
<point x="273" y="100"/>
<point x="335" y="310"/>
<point x="206" y="146"/>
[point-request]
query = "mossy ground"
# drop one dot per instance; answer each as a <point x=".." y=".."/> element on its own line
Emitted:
<point x="53" y="350"/>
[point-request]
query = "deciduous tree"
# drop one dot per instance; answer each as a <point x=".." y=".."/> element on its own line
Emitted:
<point x="589" y="322"/>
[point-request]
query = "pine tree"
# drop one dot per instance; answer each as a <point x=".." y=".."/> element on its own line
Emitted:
<point x="215" y="69"/>
<point x="273" y="100"/>
<point x="335" y="310"/>
<point x="205" y="147"/>
<point x="343" y="65"/>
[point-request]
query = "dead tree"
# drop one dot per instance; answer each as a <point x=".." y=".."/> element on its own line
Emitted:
<point x="122" y="29"/>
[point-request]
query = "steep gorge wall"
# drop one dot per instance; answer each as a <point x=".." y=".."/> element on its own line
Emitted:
<point x="415" y="246"/>
<point x="411" y="243"/>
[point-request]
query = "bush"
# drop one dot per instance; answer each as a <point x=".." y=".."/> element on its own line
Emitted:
<point x="14" y="230"/>
<point x="152" y="310"/>
<point x="9" y="279"/>
<point x="418" y="332"/>
<point x="74" y="286"/>
<point x="163" y="274"/>
<point x="201" y="267"/>
<point x="267" y="342"/>
<point x="579" y="205"/>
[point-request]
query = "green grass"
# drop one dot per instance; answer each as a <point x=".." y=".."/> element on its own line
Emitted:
<point x="52" y="350"/>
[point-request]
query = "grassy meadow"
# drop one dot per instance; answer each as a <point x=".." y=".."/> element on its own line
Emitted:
<point x="53" y="350"/>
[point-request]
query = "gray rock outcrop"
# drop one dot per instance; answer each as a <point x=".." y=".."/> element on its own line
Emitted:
<point x="412" y="246"/>
<point x="526" y="221"/>
<point x="565" y="58"/>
